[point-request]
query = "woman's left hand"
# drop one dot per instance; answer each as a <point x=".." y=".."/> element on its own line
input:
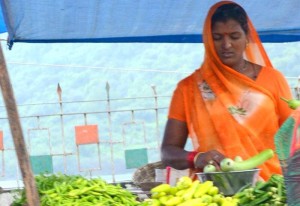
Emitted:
<point x="213" y="157"/>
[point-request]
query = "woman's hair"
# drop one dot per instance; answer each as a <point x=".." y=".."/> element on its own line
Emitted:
<point x="231" y="11"/>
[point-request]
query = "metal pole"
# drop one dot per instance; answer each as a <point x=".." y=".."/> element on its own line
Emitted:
<point x="17" y="133"/>
<point x="59" y="93"/>
<point x="156" y="116"/>
<point x="110" y="133"/>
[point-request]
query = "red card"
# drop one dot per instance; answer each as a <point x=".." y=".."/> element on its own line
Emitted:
<point x="86" y="134"/>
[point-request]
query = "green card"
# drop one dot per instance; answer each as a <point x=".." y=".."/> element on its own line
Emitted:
<point x="136" y="158"/>
<point x="41" y="164"/>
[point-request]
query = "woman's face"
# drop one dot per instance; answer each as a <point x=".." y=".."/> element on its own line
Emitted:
<point x="230" y="42"/>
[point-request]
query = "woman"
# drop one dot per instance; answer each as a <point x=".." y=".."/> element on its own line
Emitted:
<point x="231" y="105"/>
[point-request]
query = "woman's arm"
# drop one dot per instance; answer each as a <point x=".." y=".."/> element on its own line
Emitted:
<point x="173" y="153"/>
<point x="172" y="148"/>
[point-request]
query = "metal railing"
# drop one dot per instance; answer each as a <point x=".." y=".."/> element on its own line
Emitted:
<point x="122" y="126"/>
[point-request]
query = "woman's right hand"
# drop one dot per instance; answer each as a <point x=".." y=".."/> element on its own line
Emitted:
<point x="211" y="157"/>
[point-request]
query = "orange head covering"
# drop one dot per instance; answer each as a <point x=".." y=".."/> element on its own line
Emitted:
<point x="237" y="117"/>
<point x="254" y="52"/>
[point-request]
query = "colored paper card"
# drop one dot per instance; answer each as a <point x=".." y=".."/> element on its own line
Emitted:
<point x="136" y="158"/>
<point x="1" y="141"/>
<point x="41" y="164"/>
<point x="86" y="134"/>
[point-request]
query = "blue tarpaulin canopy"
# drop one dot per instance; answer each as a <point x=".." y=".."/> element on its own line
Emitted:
<point x="176" y="21"/>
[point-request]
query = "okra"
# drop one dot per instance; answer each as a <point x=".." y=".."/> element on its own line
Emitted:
<point x="260" y="199"/>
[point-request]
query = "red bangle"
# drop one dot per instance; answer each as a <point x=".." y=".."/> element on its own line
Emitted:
<point x="190" y="158"/>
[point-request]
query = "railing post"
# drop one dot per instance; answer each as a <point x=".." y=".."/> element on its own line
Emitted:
<point x="59" y="93"/>
<point x="110" y="132"/>
<point x="156" y="116"/>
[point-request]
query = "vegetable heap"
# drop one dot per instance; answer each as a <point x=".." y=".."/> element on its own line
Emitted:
<point x="238" y="164"/>
<point x="194" y="193"/>
<point x="269" y="193"/>
<point x="64" y="190"/>
<point x="188" y="193"/>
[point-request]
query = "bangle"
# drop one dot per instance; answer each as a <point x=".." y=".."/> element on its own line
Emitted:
<point x="196" y="157"/>
<point x="190" y="158"/>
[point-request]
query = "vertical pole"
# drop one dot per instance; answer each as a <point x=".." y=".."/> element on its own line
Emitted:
<point x="17" y="133"/>
<point x="110" y="133"/>
<point x="156" y="116"/>
<point x="59" y="93"/>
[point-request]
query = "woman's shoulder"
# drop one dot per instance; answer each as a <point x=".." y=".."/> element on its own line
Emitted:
<point x="188" y="80"/>
<point x="272" y="71"/>
<point x="272" y="78"/>
<point x="272" y="74"/>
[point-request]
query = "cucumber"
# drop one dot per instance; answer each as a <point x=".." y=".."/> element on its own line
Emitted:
<point x="251" y="163"/>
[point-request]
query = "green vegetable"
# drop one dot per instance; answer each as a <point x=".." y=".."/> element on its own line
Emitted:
<point x="271" y="192"/>
<point x="260" y="199"/>
<point x="293" y="103"/>
<point x="213" y="204"/>
<point x="184" y="182"/>
<point x="161" y="188"/>
<point x="191" y="191"/>
<point x="209" y="168"/>
<point x="213" y="191"/>
<point x="174" y="201"/>
<point x="76" y="190"/>
<point x="238" y="159"/>
<point x="228" y="164"/>
<point x="203" y="189"/>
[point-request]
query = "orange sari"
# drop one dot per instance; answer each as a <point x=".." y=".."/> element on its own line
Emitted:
<point x="228" y="111"/>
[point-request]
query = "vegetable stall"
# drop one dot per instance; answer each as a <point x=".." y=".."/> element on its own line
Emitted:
<point x="75" y="190"/>
<point x="19" y="19"/>
<point x="62" y="189"/>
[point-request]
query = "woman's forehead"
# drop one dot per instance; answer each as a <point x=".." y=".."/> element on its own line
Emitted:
<point x="229" y="25"/>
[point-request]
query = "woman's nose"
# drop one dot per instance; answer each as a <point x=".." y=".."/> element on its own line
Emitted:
<point x="226" y="42"/>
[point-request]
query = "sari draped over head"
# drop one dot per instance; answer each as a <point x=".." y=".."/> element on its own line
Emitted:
<point x="230" y="112"/>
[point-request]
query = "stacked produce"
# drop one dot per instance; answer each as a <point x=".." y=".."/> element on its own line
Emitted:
<point x="233" y="174"/>
<point x="188" y="193"/>
<point x="269" y="193"/>
<point x="205" y="193"/>
<point x="238" y="164"/>
<point x="64" y="190"/>
<point x="193" y="193"/>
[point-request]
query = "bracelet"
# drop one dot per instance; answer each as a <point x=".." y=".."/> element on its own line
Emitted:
<point x="190" y="159"/>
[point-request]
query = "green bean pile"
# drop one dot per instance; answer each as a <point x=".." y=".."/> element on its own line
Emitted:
<point x="64" y="190"/>
<point x="269" y="193"/>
